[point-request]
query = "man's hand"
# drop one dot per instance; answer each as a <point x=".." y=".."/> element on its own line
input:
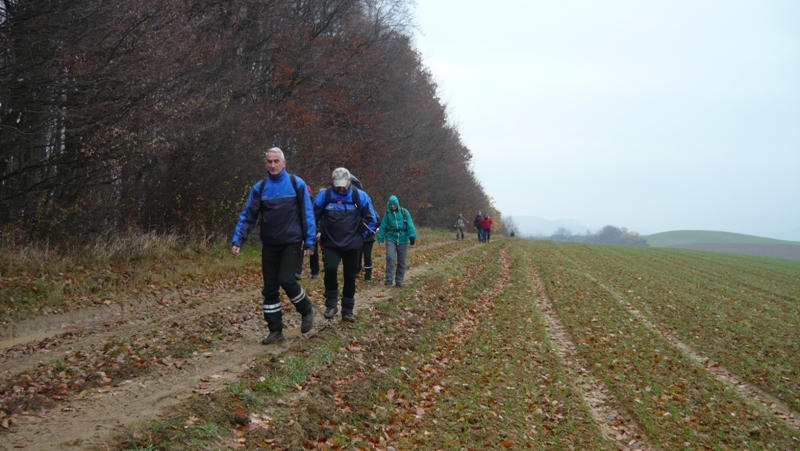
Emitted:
<point x="235" y="250"/>
<point x="412" y="240"/>
<point x="308" y="252"/>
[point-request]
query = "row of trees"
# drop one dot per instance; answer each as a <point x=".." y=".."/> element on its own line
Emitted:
<point x="155" y="114"/>
<point x="607" y="235"/>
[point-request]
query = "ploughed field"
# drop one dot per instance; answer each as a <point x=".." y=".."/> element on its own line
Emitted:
<point x="508" y="345"/>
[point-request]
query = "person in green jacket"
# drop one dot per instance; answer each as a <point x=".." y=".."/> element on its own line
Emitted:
<point x="397" y="229"/>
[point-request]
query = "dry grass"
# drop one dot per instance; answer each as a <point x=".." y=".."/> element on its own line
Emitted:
<point x="37" y="278"/>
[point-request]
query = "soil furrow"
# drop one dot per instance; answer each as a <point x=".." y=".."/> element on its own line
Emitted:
<point x="753" y="394"/>
<point x="608" y="414"/>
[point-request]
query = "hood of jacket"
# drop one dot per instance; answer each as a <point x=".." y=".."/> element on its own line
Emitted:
<point x="392" y="200"/>
<point x="396" y="225"/>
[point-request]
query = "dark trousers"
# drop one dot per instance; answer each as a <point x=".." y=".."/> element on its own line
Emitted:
<point x="330" y="260"/>
<point x="278" y="264"/>
<point x="313" y="262"/>
<point x="365" y="256"/>
<point x="487" y="233"/>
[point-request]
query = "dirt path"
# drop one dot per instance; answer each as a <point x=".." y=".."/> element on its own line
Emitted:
<point x="87" y="419"/>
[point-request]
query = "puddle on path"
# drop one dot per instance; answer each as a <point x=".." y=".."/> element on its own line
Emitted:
<point x="5" y="344"/>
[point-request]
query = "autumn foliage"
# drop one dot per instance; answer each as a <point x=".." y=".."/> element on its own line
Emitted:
<point x="155" y="114"/>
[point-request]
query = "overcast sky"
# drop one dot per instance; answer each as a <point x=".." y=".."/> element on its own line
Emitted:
<point x="653" y="115"/>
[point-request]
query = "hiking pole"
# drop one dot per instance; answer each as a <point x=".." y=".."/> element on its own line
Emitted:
<point x="367" y="227"/>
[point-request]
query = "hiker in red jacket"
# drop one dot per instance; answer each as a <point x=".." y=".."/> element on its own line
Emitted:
<point x="486" y="225"/>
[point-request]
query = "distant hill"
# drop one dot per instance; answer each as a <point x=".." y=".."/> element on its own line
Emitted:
<point x="728" y="242"/>
<point x="679" y="237"/>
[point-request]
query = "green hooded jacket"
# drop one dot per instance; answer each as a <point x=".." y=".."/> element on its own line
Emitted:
<point x="396" y="226"/>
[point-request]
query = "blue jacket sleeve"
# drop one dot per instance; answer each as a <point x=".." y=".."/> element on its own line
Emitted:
<point x="317" y="203"/>
<point x="248" y="218"/>
<point x="308" y="217"/>
<point x="366" y="201"/>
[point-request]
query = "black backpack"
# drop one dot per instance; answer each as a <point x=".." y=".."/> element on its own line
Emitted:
<point x="298" y="193"/>
<point x="354" y="199"/>
<point x="405" y="220"/>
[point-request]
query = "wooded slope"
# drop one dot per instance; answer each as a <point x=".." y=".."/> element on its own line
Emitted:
<point x="155" y="114"/>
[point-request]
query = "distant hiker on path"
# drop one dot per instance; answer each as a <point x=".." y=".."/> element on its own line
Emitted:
<point x="461" y="225"/>
<point x="345" y="216"/>
<point x="486" y="225"/>
<point x="397" y="229"/>
<point x="287" y="232"/>
<point x="476" y="223"/>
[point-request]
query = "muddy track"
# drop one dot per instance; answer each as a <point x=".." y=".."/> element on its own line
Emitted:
<point x="87" y="420"/>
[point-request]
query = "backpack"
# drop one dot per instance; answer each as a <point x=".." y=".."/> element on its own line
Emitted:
<point x="299" y="195"/>
<point x="294" y="185"/>
<point x="353" y="200"/>
<point x="405" y="221"/>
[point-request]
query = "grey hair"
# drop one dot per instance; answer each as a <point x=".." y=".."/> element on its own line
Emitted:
<point x="276" y="150"/>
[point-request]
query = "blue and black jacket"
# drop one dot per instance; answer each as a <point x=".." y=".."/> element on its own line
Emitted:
<point x="344" y="219"/>
<point x="284" y="205"/>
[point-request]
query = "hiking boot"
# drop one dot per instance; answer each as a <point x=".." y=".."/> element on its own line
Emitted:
<point x="273" y="337"/>
<point x="307" y="322"/>
<point x="348" y="318"/>
<point x="388" y="284"/>
<point x="399" y="284"/>
<point x="329" y="312"/>
<point x="298" y="276"/>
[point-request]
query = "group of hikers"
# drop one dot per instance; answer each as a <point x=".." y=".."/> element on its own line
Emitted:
<point x="341" y="221"/>
<point x="482" y="225"/>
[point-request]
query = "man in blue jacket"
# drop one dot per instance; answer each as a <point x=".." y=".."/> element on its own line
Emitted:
<point x="346" y="216"/>
<point x="287" y="233"/>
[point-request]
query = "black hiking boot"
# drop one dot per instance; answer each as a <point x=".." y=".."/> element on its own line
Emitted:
<point x="329" y="312"/>
<point x="348" y="318"/>
<point x="273" y="337"/>
<point x="307" y="323"/>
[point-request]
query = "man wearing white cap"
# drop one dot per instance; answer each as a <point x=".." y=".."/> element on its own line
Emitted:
<point x="345" y="215"/>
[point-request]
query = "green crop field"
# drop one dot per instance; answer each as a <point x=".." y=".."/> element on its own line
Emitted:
<point x="514" y="344"/>
<point x="653" y="324"/>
